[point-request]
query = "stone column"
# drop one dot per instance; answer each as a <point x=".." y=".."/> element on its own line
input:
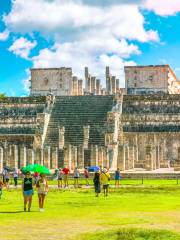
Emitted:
<point x="127" y="161"/>
<point x="16" y="156"/>
<point x="49" y="158"/>
<point x="61" y="137"/>
<point x="98" y="87"/>
<point x="73" y="157"/>
<point x="22" y="156"/>
<point x="45" y="154"/>
<point x="42" y="156"/>
<point x="158" y="156"/>
<point x="94" y="155"/>
<point x="113" y="84"/>
<point x="117" y="85"/>
<point x="137" y="151"/>
<point x="80" y="154"/>
<point x="80" y="87"/>
<point x="93" y="85"/>
<point x="54" y="158"/>
<point x="100" y="157"/>
<point x="1" y="159"/>
<point x="29" y="156"/>
<point x="25" y="156"/>
<point x="86" y="136"/>
<point x="75" y="86"/>
<point x="33" y="156"/>
<point x="124" y="159"/>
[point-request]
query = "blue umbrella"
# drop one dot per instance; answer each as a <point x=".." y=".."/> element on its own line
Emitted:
<point x="93" y="169"/>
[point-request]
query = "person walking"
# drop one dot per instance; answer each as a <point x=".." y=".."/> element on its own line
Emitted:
<point x="42" y="187"/>
<point x="15" y="176"/>
<point x="66" y="174"/>
<point x="1" y="186"/>
<point x="117" y="177"/>
<point x="105" y="178"/>
<point x="60" y="177"/>
<point x="97" y="183"/>
<point x="76" y="177"/>
<point x="27" y="188"/>
<point x="36" y="177"/>
<point x="86" y="175"/>
<point x="6" y="178"/>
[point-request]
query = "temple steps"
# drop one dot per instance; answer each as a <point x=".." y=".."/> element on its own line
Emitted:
<point x="74" y="112"/>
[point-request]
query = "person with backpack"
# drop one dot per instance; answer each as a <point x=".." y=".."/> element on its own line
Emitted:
<point x="105" y="178"/>
<point x="97" y="183"/>
<point x="117" y="177"/>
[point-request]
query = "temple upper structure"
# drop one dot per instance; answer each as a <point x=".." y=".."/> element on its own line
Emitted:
<point x="151" y="79"/>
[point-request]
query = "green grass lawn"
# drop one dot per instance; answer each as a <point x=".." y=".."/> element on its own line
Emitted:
<point x="143" y="212"/>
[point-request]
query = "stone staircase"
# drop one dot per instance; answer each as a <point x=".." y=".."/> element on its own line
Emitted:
<point x="74" y="112"/>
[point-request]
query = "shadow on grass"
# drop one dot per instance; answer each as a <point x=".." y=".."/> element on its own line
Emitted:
<point x="11" y="212"/>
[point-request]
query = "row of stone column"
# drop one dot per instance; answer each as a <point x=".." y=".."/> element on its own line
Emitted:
<point x="128" y="157"/>
<point x="52" y="157"/>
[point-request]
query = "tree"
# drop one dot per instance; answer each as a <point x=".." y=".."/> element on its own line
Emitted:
<point x="2" y="95"/>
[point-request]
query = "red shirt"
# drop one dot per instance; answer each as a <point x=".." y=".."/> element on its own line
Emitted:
<point x="66" y="171"/>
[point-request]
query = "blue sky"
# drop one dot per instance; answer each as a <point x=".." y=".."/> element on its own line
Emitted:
<point x="79" y="33"/>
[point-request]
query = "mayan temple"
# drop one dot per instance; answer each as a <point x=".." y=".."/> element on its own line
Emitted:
<point x="69" y="121"/>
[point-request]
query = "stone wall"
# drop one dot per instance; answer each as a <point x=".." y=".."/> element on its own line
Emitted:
<point x="150" y="79"/>
<point x="56" y="81"/>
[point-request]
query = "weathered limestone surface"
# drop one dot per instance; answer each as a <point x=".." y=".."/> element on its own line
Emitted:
<point x="144" y="79"/>
<point x="119" y="130"/>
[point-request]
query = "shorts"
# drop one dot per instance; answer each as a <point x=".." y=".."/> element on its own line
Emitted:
<point x="28" y="193"/>
<point x="60" y="178"/>
<point x="42" y="192"/>
<point x="76" y="177"/>
<point x="117" y="178"/>
<point x="7" y="180"/>
<point x="105" y="186"/>
<point x="86" y="176"/>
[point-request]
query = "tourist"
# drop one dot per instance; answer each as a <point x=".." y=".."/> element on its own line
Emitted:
<point x="105" y="178"/>
<point x="27" y="188"/>
<point x="6" y="178"/>
<point x="76" y="177"/>
<point x="42" y="187"/>
<point x="86" y="175"/>
<point x="60" y="177"/>
<point x="66" y="173"/>
<point x="15" y="176"/>
<point x="97" y="183"/>
<point x="1" y="186"/>
<point x="117" y="177"/>
<point x="36" y="177"/>
<point x="3" y="174"/>
<point x="56" y="173"/>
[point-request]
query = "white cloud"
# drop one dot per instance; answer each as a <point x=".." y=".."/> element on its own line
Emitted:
<point x="163" y="7"/>
<point x="4" y="35"/>
<point x="93" y="35"/>
<point x="78" y="55"/>
<point x="50" y="17"/>
<point x="22" y="47"/>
